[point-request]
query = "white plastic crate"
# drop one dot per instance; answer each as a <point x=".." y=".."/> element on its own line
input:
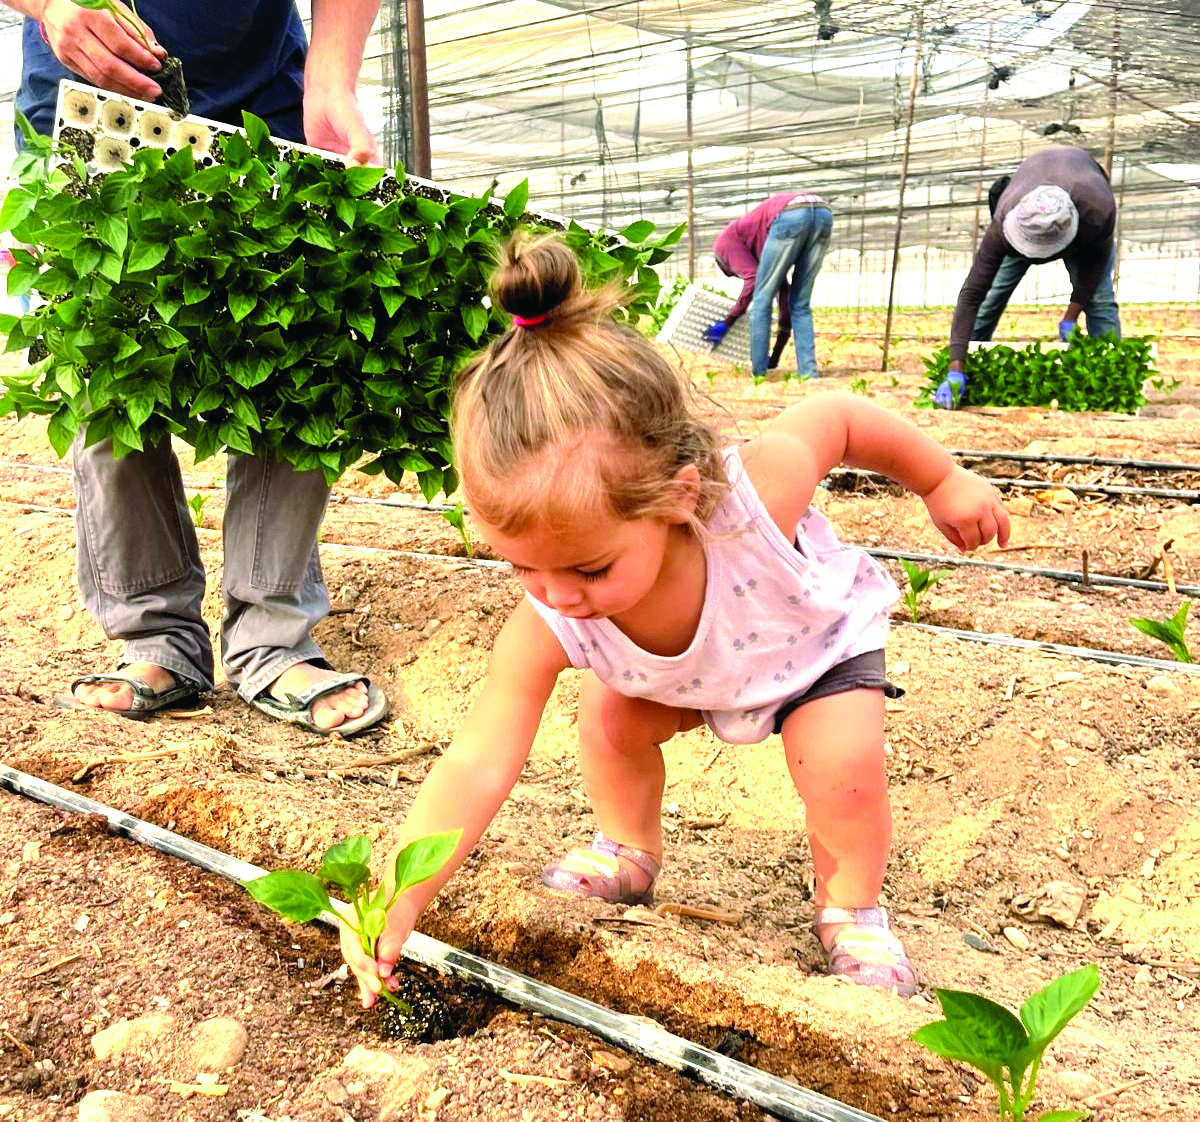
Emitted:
<point x="697" y="309"/>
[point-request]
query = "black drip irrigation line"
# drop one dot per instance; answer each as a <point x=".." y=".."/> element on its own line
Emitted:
<point x="1085" y="461"/>
<point x="1066" y="576"/>
<point x="1091" y="654"/>
<point x="644" y="1037"/>
<point x="1178" y="494"/>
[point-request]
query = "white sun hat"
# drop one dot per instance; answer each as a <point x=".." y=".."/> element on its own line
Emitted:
<point x="1042" y="223"/>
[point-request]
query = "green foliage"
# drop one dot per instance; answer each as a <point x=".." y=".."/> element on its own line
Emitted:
<point x="301" y="896"/>
<point x="920" y="581"/>
<point x="275" y="303"/>
<point x="196" y="506"/>
<point x="457" y="517"/>
<point x="1006" y="1048"/>
<point x="1098" y="373"/>
<point x="861" y="386"/>
<point x="1164" y="387"/>
<point x="1170" y="631"/>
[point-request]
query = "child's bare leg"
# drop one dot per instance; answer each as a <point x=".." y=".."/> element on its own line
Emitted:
<point x="622" y="765"/>
<point x="835" y="755"/>
<point x="834" y="749"/>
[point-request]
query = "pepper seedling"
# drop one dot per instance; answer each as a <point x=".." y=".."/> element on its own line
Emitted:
<point x="1008" y="1049"/>
<point x="301" y="897"/>
<point x="920" y="581"/>
<point x="170" y="75"/>
<point x="1170" y="631"/>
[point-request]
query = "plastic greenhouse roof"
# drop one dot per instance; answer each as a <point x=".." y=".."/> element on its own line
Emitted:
<point x="589" y="100"/>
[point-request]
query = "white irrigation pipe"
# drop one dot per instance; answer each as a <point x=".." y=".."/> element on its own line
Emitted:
<point x="1092" y="654"/>
<point x="1066" y="576"/>
<point x="644" y="1037"/>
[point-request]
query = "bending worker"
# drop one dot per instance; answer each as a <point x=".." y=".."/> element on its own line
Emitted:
<point x="1058" y="204"/>
<point x="787" y="234"/>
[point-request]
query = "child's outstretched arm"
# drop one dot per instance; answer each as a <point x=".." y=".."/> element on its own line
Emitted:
<point x="465" y="788"/>
<point x="800" y="447"/>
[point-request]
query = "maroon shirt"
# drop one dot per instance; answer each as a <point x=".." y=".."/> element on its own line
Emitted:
<point x="1084" y="180"/>
<point x="739" y="246"/>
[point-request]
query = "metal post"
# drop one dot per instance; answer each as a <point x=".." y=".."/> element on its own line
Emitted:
<point x="982" y="153"/>
<point x="418" y="78"/>
<point x="691" y="183"/>
<point x="912" y="107"/>
<point x="1111" y="143"/>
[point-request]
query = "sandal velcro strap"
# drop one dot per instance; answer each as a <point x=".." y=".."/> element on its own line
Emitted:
<point x="639" y="857"/>
<point x="859" y="917"/>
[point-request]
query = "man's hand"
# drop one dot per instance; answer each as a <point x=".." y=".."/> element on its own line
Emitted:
<point x="106" y="51"/>
<point x="949" y="394"/>
<point x="968" y="510"/>
<point x="1065" y="328"/>
<point x="334" y="121"/>
<point x="715" y="332"/>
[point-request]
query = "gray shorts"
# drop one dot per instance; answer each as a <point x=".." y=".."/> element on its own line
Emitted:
<point x="859" y="672"/>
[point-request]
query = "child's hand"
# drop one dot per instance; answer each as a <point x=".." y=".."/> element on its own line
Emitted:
<point x="374" y="974"/>
<point x="967" y="509"/>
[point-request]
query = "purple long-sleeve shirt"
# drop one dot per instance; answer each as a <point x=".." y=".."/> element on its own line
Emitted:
<point x="1084" y="180"/>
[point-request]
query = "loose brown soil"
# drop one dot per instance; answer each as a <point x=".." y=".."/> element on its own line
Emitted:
<point x="1010" y="769"/>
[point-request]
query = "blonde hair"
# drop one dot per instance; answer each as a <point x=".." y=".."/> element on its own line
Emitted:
<point x="573" y="408"/>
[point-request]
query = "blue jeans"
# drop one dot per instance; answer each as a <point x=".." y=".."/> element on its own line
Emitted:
<point x="797" y="242"/>
<point x="1101" y="309"/>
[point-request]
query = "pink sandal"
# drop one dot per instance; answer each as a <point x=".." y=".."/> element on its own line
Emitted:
<point x="866" y="952"/>
<point x="594" y="870"/>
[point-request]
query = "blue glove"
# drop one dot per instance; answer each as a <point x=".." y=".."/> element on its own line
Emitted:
<point x="949" y="394"/>
<point x="715" y="332"/>
<point x="1065" y="328"/>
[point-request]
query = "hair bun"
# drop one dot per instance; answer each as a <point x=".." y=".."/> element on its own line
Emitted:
<point x="535" y="276"/>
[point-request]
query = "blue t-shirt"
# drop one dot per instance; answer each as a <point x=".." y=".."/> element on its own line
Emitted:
<point x="244" y="55"/>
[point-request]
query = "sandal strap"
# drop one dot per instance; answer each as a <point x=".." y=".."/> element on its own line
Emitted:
<point x="859" y="917"/>
<point x="305" y="698"/>
<point x="647" y="862"/>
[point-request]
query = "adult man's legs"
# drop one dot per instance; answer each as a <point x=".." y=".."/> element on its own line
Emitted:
<point x="808" y="265"/>
<point x="1101" y="310"/>
<point x="780" y="250"/>
<point x="1008" y="276"/>
<point x="273" y="588"/>
<point x="138" y="566"/>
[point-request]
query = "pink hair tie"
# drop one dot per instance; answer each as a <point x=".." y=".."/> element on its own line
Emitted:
<point x="528" y="321"/>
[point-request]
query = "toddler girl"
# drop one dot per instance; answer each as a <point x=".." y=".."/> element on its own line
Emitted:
<point x="693" y="583"/>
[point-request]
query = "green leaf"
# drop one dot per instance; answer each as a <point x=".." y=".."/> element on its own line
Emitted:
<point x="517" y="199"/>
<point x="423" y="858"/>
<point x="1064" y="1116"/>
<point x="976" y="1030"/>
<point x="347" y="875"/>
<point x="147" y="255"/>
<point x="17" y="204"/>
<point x="374" y="922"/>
<point x="1046" y="1013"/>
<point x="360" y="180"/>
<point x="637" y="232"/>
<point x="61" y="431"/>
<point x="113" y="231"/>
<point x="475" y="319"/>
<point x="356" y="848"/>
<point x="295" y="895"/>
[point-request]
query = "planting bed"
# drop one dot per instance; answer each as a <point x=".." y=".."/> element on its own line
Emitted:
<point x="1010" y="770"/>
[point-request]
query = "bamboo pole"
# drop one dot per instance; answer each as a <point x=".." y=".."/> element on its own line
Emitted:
<point x="691" y="181"/>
